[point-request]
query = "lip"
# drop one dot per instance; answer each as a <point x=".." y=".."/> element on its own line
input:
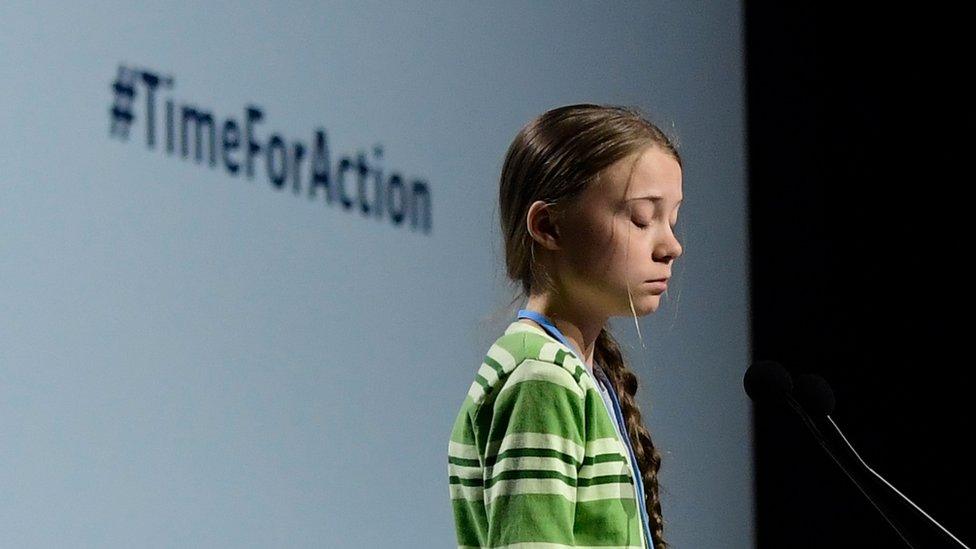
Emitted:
<point x="660" y="283"/>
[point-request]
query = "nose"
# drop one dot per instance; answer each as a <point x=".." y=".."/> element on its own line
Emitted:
<point x="669" y="250"/>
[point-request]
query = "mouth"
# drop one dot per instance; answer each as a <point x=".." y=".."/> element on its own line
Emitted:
<point x="658" y="284"/>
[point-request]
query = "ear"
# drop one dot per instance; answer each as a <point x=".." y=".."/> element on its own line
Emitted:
<point x="541" y="224"/>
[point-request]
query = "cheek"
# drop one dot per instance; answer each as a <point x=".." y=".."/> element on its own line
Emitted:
<point x="589" y="239"/>
<point x="622" y="248"/>
<point x="590" y="251"/>
<point x="606" y="249"/>
<point x="631" y="238"/>
<point x="595" y="251"/>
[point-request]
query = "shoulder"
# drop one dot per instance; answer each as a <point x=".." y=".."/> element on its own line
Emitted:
<point x="524" y="354"/>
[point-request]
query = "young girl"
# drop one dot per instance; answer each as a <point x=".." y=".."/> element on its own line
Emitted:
<point x="549" y="446"/>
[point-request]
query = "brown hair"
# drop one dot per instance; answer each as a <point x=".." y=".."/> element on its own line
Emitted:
<point x="554" y="158"/>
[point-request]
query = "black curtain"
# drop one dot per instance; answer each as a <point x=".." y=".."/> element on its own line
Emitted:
<point x="859" y="126"/>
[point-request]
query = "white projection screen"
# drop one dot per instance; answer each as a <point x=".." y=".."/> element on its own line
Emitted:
<point x="250" y="260"/>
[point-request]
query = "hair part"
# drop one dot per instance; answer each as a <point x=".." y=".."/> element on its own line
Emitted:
<point x="554" y="158"/>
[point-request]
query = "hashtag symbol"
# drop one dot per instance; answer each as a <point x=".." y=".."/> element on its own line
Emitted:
<point x="124" y="91"/>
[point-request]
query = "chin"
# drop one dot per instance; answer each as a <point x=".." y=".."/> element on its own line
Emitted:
<point x="643" y="306"/>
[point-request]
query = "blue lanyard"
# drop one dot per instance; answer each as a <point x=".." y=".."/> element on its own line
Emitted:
<point x="553" y="331"/>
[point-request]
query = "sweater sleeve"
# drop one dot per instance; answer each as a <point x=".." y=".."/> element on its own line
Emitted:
<point x="534" y="452"/>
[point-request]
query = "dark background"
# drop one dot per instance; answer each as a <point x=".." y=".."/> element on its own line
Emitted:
<point x="859" y="146"/>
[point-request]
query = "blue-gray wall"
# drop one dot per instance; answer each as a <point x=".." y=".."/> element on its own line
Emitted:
<point x="192" y="357"/>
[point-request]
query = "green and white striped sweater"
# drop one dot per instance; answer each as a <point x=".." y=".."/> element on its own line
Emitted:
<point x="534" y="460"/>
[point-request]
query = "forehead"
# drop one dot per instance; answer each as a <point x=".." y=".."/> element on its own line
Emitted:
<point x="655" y="174"/>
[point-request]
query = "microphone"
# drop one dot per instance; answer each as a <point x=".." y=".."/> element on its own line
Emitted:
<point x="769" y="384"/>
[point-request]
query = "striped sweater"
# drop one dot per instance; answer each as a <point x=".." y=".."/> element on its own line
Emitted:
<point x="534" y="459"/>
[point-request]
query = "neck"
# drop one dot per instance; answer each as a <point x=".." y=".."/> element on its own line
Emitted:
<point x="580" y="326"/>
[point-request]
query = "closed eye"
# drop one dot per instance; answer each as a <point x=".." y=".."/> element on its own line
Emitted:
<point x="643" y="226"/>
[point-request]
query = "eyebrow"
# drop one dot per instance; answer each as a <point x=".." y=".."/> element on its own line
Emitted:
<point x="651" y="197"/>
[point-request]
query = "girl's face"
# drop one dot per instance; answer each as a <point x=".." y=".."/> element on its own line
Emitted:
<point x="619" y="239"/>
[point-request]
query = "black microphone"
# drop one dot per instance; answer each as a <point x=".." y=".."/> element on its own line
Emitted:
<point x="769" y="384"/>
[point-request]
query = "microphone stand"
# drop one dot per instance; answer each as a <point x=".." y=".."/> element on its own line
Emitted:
<point x="889" y="485"/>
<point x="817" y="435"/>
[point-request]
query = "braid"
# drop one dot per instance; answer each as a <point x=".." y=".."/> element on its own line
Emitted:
<point x="608" y="354"/>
